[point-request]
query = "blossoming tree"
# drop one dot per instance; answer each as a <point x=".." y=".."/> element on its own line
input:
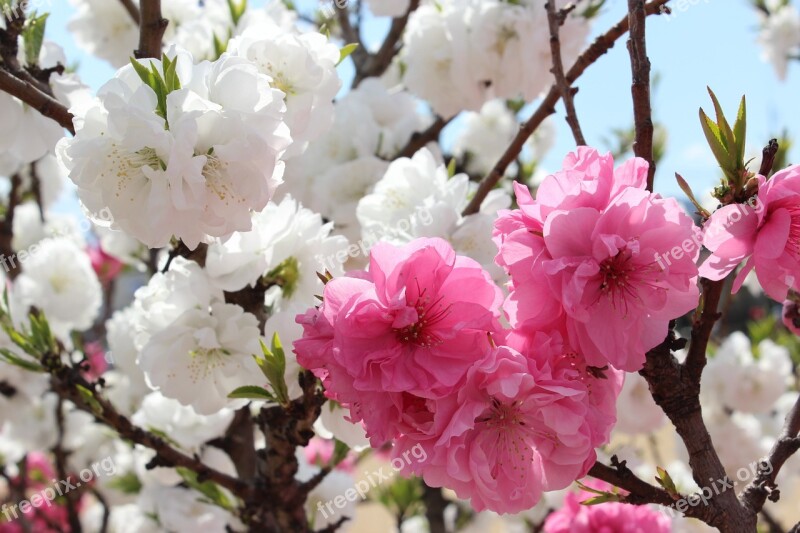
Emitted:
<point x="278" y="279"/>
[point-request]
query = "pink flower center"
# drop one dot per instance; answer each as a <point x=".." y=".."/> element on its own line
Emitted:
<point x="512" y="437"/>
<point x="621" y="278"/>
<point x="793" y="243"/>
<point x="423" y="332"/>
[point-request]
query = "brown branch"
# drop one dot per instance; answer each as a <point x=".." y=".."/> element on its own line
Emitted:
<point x="60" y="456"/>
<point x="352" y="36"/>
<point x="377" y="63"/>
<point x="763" y="486"/>
<point x="37" y="99"/>
<point x="132" y="9"/>
<point x="435" y="505"/>
<point x="599" y="47"/>
<point x="65" y="381"/>
<point x="640" y="87"/>
<point x="419" y="139"/>
<point x="554" y="21"/>
<point x="701" y="329"/>
<point x="151" y="29"/>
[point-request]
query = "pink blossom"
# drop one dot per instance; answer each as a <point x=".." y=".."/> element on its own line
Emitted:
<point x="520" y="425"/>
<point x="105" y="266"/>
<point x="319" y="452"/>
<point x="604" y="517"/>
<point x="608" y="267"/>
<point x="96" y="357"/>
<point x="765" y="232"/>
<point x="791" y="315"/>
<point x="414" y="322"/>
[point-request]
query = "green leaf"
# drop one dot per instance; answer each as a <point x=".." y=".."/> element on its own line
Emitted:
<point x="451" y="168"/>
<point x="740" y="129"/>
<point x="346" y="51"/>
<point x="237" y="10"/>
<point x="127" y="483"/>
<point x="604" y="498"/>
<point x="33" y="36"/>
<point x="340" y="451"/>
<point x="11" y="358"/>
<point x="273" y="366"/>
<point x="688" y="191"/>
<point x="726" y="134"/>
<point x="220" y="46"/>
<point x="209" y="489"/>
<point x="252" y="392"/>
<point x="144" y="73"/>
<point x="663" y="478"/>
<point x="90" y="400"/>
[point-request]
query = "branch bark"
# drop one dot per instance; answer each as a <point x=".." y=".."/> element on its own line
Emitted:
<point x="377" y="63"/>
<point x="37" y="99"/>
<point x="420" y="138"/>
<point x="554" y="21"/>
<point x="763" y="486"/>
<point x="151" y="29"/>
<point x="599" y="47"/>
<point x="640" y="87"/>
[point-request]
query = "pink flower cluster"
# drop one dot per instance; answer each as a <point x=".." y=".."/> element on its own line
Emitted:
<point x="620" y="517"/>
<point x="414" y="349"/>
<point x="593" y="257"/>
<point x="766" y="234"/>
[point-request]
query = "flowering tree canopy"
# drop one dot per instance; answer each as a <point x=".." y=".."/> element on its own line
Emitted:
<point x="269" y="274"/>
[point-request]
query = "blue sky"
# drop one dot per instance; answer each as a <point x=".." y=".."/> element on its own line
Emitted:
<point x="710" y="42"/>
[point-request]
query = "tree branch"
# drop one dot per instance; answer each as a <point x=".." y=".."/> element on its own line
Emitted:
<point x="377" y="63"/>
<point x="701" y="330"/>
<point x="763" y="486"/>
<point x="37" y="99"/>
<point x="132" y="10"/>
<point x="69" y="384"/>
<point x="420" y="138"/>
<point x="599" y="47"/>
<point x="151" y="29"/>
<point x="554" y="20"/>
<point x="640" y="87"/>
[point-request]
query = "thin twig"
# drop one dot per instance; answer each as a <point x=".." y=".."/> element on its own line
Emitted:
<point x="640" y="87"/>
<point x="151" y="29"/>
<point x="132" y="9"/>
<point x="377" y="63"/>
<point x="763" y="486"/>
<point x="599" y="47"/>
<point x="420" y="138"/>
<point x="558" y="71"/>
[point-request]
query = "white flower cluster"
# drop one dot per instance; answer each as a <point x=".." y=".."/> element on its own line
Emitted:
<point x="779" y="36"/>
<point x="188" y="157"/>
<point x="417" y="198"/>
<point x="458" y="54"/>
<point x="371" y="124"/>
